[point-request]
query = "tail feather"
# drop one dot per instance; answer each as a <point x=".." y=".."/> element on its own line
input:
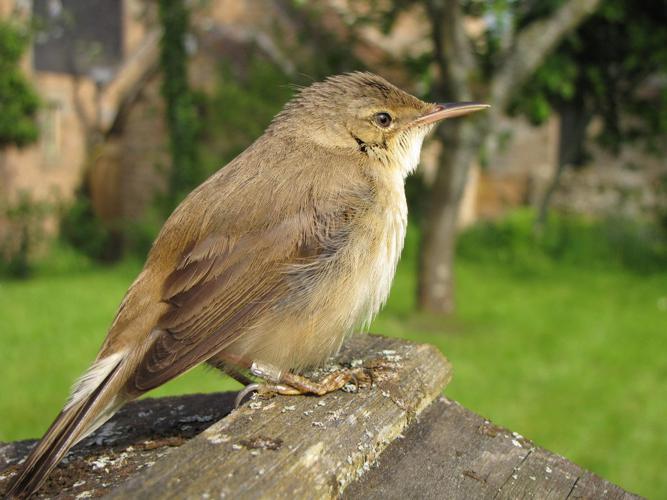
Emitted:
<point x="75" y="422"/>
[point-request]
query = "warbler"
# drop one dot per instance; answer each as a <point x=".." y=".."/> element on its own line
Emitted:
<point x="265" y="268"/>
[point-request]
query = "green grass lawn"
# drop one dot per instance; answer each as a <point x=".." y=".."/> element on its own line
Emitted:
<point x="571" y="356"/>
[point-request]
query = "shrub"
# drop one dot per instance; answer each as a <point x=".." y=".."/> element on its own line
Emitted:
<point x="22" y="232"/>
<point x="83" y="230"/>
<point x="18" y="100"/>
<point x="636" y="245"/>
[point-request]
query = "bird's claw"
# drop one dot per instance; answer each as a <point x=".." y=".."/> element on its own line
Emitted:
<point x="291" y="384"/>
<point x="265" y="391"/>
<point x="248" y="389"/>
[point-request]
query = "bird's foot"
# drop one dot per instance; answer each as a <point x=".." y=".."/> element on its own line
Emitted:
<point x="265" y="390"/>
<point x="291" y="384"/>
<point x="330" y="383"/>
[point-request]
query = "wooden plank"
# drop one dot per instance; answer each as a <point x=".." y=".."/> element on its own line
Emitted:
<point x="449" y="452"/>
<point x="139" y="435"/>
<point x="541" y="475"/>
<point x="591" y="485"/>
<point x="452" y="453"/>
<point x="302" y="447"/>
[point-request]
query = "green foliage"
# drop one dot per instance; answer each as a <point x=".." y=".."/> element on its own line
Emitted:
<point x="602" y="66"/>
<point x="611" y="243"/>
<point x="23" y="232"/>
<point x="327" y="52"/>
<point x="241" y="107"/>
<point x="84" y="231"/>
<point x="553" y="82"/>
<point x="138" y="235"/>
<point x="186" y="170"/>
<point x="662" y="209"/>
<point x="18" y="101"/>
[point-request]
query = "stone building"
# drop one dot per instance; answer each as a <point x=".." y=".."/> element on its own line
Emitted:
<point x="86" y="60"/>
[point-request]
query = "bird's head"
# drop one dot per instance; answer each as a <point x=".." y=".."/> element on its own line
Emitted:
<point x="367" y="115"/>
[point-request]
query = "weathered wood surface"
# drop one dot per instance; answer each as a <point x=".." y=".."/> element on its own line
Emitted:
<point x="455" y="454"/>
<point x="139" y="435"/>
<point x="372" y="444"/>
<point x="288" y="445"/>
<point x="303" y="447"/>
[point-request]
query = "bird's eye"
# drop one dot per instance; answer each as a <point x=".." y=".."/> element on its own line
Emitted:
<point x="382" y="119"/>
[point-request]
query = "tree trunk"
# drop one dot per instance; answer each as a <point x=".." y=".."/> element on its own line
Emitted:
<point x="461" y="140"/>
<point x="574" y="121"/>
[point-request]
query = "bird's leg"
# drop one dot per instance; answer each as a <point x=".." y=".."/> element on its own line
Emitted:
<point x="271" y="375"/>
<point x="360" y="375"/>
<point x="291" y="384"/>
<point x="234" y="366"/>
<point x="286" y="383"/>
<point x="332" y="382"/>
<point x="231" y="369"/>
<point x="237" y="375"/>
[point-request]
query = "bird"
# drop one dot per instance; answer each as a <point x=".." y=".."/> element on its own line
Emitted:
<point x="270" y="264"/>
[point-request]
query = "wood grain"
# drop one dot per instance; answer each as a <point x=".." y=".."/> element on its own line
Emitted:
<point x="302" y="447"/>
<point x="455" y="454"/>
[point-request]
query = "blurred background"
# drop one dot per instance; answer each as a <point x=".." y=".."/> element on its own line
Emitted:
<point x="536" y="258"/>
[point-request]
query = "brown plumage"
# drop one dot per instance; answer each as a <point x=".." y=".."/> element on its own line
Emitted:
<point x="275" y="259"/>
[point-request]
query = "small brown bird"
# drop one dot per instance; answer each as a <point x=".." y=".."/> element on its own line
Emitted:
<point x="270" y="264"/>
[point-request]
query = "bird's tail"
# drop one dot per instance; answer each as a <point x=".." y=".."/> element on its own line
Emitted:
<point x="91" y="404"/>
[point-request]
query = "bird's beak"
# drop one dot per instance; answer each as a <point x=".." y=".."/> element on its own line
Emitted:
<point x="449" y="110"/>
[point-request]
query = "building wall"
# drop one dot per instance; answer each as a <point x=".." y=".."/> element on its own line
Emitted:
<point x="129" y="168"/>
<point x="53" y="168"/>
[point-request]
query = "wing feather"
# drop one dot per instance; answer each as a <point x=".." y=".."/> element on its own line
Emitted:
<point x="222" y="286"/>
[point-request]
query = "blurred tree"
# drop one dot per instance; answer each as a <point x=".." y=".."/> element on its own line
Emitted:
<point x="18" y="127"/>
<point x="18" y="100"/>
<point x="81" y="228"/>
<point x="23" y="231"/>
<point x="518" y="36"/>
<point x="610" y="67"/>
<point x="186" y="169"/>
<point x="259" y="90"/>
<point x="508" y="42"/>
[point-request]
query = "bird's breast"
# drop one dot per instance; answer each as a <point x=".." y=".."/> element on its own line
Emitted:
<point x="385" y="235"/>
<point x="338" y="295"/>
<point x="357" y="284"/>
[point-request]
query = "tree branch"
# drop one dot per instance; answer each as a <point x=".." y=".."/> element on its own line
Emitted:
<point x="244" y="35"/>
<point x="452" y="51"/>
<point x="532" y="46"/>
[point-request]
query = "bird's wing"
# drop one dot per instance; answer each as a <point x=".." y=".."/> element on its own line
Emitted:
<point x="223" y="285"/>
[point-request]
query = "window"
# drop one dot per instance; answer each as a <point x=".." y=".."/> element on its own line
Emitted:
<point x="51" y="131"/>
